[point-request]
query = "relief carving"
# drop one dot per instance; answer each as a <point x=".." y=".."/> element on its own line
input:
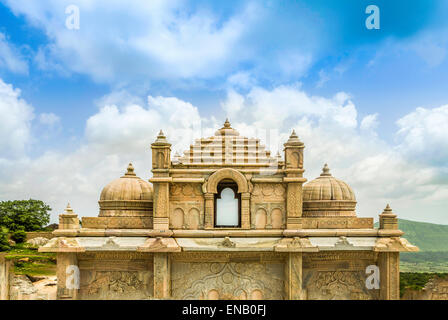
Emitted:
<point x="268" y="215"/>
<point x="227" y="281"/>
<point x="115" y="285"/>
<point x="338" y="285"/>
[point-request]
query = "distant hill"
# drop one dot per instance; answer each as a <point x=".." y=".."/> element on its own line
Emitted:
<point x="426" y="236"/>
<point x="432" y="240"/>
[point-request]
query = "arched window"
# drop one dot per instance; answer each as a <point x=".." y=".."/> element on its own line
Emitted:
<point x="227" y="205"/>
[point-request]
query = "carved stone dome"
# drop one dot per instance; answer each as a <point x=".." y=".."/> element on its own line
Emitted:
<point x="127" y="196"/>
<point x="327" y="196"/>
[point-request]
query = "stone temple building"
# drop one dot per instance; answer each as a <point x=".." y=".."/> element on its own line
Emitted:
<point x="227" y="221"/>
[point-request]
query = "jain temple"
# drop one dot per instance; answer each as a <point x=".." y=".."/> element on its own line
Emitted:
<point x="226" y="220"/>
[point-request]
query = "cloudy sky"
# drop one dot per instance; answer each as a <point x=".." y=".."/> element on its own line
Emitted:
<point x="78" y="104"/>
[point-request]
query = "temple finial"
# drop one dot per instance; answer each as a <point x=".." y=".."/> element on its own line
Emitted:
<point x="325" y="171"/>
<point x="68" y="209"/>
<point x="161" y="138"/>
<point x="130" y="170"/>
<point x="388" y="210"/>
<point x="294" y="139"/>
<point x="293" y="134"/>
<point x="226" y="130"/>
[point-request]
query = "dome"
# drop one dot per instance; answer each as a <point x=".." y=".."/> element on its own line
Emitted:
<point x="127" y="196"/>
<point x="327" y="196"/>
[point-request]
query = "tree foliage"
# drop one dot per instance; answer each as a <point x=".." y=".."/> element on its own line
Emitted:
<point x="24" y="215"/>
<point x="4" y="244"/>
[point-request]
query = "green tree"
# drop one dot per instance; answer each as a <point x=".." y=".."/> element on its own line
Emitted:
<point x="4" y="244"/>
<point x="26" y="215"/>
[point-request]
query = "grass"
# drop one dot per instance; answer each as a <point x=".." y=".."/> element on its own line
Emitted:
<point x="424" y="261"/>
<point x="39" y="263"/>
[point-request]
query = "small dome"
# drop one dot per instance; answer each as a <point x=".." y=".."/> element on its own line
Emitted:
<point x="127" y="196"/>
<point x="327" y="196"/>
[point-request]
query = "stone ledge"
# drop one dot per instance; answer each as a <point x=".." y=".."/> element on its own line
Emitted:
<point x="117" y="222"/>
<point x="337" y="223"/>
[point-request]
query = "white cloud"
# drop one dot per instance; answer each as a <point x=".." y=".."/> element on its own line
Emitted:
<point x="10" y="57"/>
<point x="369" y="122"/>
<point x="149" y="39"/>
<point x="323" y="78"/>
<point x="122" y="132"/>
<point x="294" y="63"/>
<point x="423" y="135"/>
<point x="15" y="122"/>
<point x="49" y="119"/>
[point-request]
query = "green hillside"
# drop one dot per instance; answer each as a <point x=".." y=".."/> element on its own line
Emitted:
<point x="432" y="239"/>
<point x="426" y="236"/>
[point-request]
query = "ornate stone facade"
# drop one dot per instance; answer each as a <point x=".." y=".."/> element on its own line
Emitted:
<point x="161" y="239"/>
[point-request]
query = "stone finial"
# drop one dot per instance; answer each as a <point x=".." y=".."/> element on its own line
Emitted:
<point x="293" y="139"/>
<point x="68" y="209"/>
<point x="387" y="210"/>
<point x="388" y="220"/>
<point x="325" y="171"/>
<point x="130" y="170"/>
<point x="161" y="138"/>
<point x="68" y="219"/>
<point x="293" y="134"/>
<point x="227" y="130"/>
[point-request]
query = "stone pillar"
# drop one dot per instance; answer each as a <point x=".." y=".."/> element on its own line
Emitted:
<point x="245" y="213"/>
<point x="388" y="220"/>
<point x="161" y="164"/>
<point x="294" y="180"/>
<point x="68" y="276"/>
<point x="4" y="277"/>
<point x="161" y="205"/>
<point x="162" y="276"/>
<point x="209" y="210"/>
<point x="389" y="263"/>
<point x="69" y="219"/>
<point x="293" y="277"/>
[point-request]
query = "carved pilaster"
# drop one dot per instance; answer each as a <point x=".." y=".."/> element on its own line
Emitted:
<point x="294" y="202"/>
<point x="161" y="206"/>
<point x="68" y="276"/>
<point x="162" y="276"/>
<point x="209" y="210"/>
<point x="245" y="212"/>
<point x="389" y="275"/>
<point x="293" y="277"/>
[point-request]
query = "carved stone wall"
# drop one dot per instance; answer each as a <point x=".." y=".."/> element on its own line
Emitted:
<point x="4" y="277"/>
<point x="221" y="279"/>
<point x="116" y="275"/>
<point x="186" y="206"/>
<point x="338" y="275"/>
<point x="268" y="206"/>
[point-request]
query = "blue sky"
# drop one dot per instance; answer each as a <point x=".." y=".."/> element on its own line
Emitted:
<point x="78" y="96"/>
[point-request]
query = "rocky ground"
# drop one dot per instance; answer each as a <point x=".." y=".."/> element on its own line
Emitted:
<point x="33" y="288"/>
